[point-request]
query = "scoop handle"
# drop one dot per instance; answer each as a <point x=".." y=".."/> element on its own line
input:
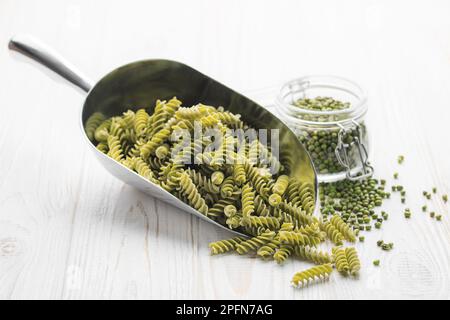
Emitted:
<point x="46" y="56"/>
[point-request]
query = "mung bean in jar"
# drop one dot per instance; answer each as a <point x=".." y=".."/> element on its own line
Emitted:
<point x="327" y="114"/>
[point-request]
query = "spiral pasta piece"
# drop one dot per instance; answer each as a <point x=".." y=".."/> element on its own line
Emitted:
<point x="209" y="121"/>
<point x="255" y="243"/>
<point x="343" y="228"/>
<point x="340" y="260"/>
<point x="300" y="216"/>
<point x="115" y="148"/>
<point x="253" y="152"/>
<point x="293" y="197"/>
<point x="248" y="201"/>
<point x="140" y="122"/>
<point x="268" y="250"/>
<point x="157" y="120"/>
<point x="156" y="140"/>
<point x="156" y="164"/>
<point x="92" y="123"/>
<point x="218" y="209"/>
<point x="314" y="274"/>
<point x="227" y="187"/>
<point x="194" y="113"/>
<point x="298" y="239"/>
<point x="171" y="107"/>
<point x="223" y="246"/>
<point x="252" y="231"/>
<point x="135" y="150"/>
<point x="353" y="260"/>
<point x="142" y="168"/>
<point x="229" y="119"/>
<point x="281" y="185"/>
<point x="234" y="222"/>
<point x="286" y="218"/>
<point x="102" y="132"/>
<point x="283" y="253"/>
<point x="188" y="188"/>
<point x="275" y="200"/>
<point x="162" y="151"/>
<point x="312" y="254"/>
<point x="103" y="147"/>
<point x="312" y="230"/>
<point x="271" y="223"/>
<point x="170" y="177"/>
<point x="203" y="181"/>
<point x="217" y="178"/>
<point x="258" y="182"/>
<point x="333" y="234"/>
<point x="178" y="127"/>
<point x="261" y="208"/>
<point x="239" y="174"/>
<point x="306" y="194"/>
<point x="230" y="210"/>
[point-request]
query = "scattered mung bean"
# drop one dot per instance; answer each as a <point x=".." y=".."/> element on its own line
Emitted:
<point x="407" y="213"/>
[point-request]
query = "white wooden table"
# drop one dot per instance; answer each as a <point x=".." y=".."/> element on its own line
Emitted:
<point x="70" y="230"/>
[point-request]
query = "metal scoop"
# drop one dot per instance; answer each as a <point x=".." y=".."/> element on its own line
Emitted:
<point x="140" y="83"/>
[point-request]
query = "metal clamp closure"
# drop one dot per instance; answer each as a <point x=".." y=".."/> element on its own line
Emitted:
<point x="343" y="148"/>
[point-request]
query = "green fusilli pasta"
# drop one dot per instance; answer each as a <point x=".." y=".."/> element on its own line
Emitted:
<point x="312" y="254"/>
<point x="115" y="148"/>
<point x="223" y="246"/>
<point x="255" y="243"/>
<point x="227" y="187"/>
<point x="343" y="228"/>
<point x="353" y="260"/>
<point x="92" y="124"/>
<point x="275" y="200"/>
<point x="281" y="185"/>
<point x="140" y="122"/>
<point x="203" y="181"/>
<point x="271" y="223"/>
<point x="333" y="233"/>
<point x="319" y="273"/>
<point x="239" y="174"/>
<point x="340" y="260"/>
<point x="283" y="253"/>
<point x="188" y="188"/>
<point x="218" y="209"/>
<point x="248" y="201"/>
<point x="217" y="177"/>
<point x="298" y="239"/>
<point x="269" y="249"/>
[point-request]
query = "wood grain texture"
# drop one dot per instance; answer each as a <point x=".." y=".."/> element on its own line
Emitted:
<point x="68" y="230"/>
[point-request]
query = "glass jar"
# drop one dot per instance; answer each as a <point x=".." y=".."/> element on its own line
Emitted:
<point x="336" y="139"/>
